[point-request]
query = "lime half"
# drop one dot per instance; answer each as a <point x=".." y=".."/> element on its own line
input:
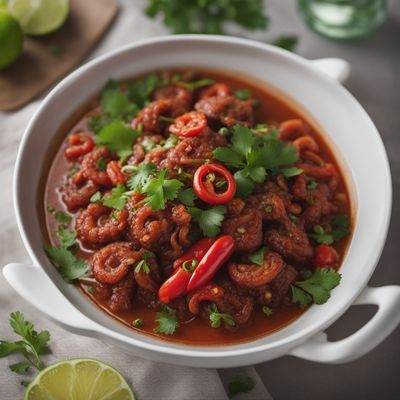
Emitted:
<point x="79" y="379"/>
<point x="39" y="17"/>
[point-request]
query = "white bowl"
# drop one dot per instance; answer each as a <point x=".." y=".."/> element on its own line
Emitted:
<point x="349" y="130"/>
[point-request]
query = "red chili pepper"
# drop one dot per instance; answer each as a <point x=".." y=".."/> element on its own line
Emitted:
<point x="78" y="145"/>
<point x="114" y="173"/>
<point x="325" y="256"/>
<point x="197" y="252"/>
<point x="205" y="190"/>
<point x="212" y="261"/>
<point x="189" y="124"/>
<point x="176" y="285"/>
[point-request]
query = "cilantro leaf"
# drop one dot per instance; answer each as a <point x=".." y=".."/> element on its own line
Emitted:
<point x="216" y="318"/>
<point x="116" y="104"/>
<point x="140" y="177"/>
<point x="287" y="42"/>
<point x="274" y="154"/>
<point x="228" y="157"/>
<point x="95" y="197"/>
<point x="62" y="217"/>
<point x="209" y="220"/>
<point x="187" y="197"/>
<point x="267" y="311"/>
<point x="291" y="171"/>
<point x="340" y="224"/>
<point x="316" y="287"/>
<point x="67" y="238"/>
<point x="244" y="184"/>
<point x="32" y="345"/>
<point x="243" y="140"/>
<point x="118" y="137"/>
<point x="320" y="236"/>
<point x="198" y="84"/>
<point x="167" y="321"/>
<point x="258" y="256"/>
<point x="69" y="266"/>
<point x="241" y="384"/>
<point x="97" y="122"/>
<point x="142" y="264"/>
<point x="257" y="174"/>
<point x="141" y="90"/>
<point x="242" y="94"/>
<point x="117" y="199"/>
<point x="205" y="16"/>
<point x="311" y="185"/>
<point x="159" y="189"/>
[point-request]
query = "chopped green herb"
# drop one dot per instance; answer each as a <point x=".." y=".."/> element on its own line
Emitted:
<point x="198" y="84"/>
<point x="67" y="238"/>
<point x="187" y="197"/>
<point x="316" y="287"/>
<point x="101" y="164"/>
<point x="140" y="91"/>
<point x="258" y="256"/>
<point x="142" y="264"/>
<point x="95" y="197"/>
<point x="148" y="145"/>
<point x="166" y="119"/>
<point x="172" y="141"/>
<point x="242" y="94"/>
<point x="340" y="226"/>
<point x="73" y="170"/>
<point x="141" y="176"/>
<point x="167" y="321"/>
<point x="62" y="217"/>
<point x="51" y="209"/>
<point x="293" y="218"/>
<point x="117" y="199"/>
<point x="287" y="42"/>
<point x="267" y="311"/>
<point x="137" y="322"/>
<point x="320" y="236"/>
<point x="241" y="384"/>
<point x="208" y="16"/>
<point x="209" y="220"/>
<point x="118" y="137"/>
<point x="268" y="209"/>
<point x="98" y="122"/>
<point x="33" y="344"/>
<point x="190" y="265"/>
<point x="224" y="131"/>
<point x="216" y="318"/>
<point x="291" y="171"/>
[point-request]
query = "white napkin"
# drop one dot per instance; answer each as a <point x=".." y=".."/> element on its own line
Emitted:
<point x="150" y="380"/>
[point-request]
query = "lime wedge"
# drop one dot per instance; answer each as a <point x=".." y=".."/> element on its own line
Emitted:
<point x="39" y="17"/>
<point x="79" y="379"/>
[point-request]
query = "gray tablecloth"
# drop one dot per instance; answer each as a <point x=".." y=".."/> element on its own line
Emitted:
<point x="374" y="81"/>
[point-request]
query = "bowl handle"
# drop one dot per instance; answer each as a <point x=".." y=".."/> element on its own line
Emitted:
<point x="336" y="68"/>
<point x="386" y="319"/>
<point x="33" y="284"/>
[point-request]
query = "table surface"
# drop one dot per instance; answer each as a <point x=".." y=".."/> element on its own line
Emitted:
<point x="374" y="81"/>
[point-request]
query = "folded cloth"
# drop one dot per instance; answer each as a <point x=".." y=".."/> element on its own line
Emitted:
<point x="150" y="380"/>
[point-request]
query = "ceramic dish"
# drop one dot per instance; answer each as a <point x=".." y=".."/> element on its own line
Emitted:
<point x="350" y="133"/>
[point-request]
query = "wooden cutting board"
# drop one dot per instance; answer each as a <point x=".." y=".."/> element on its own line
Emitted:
<point x="46" y="59"/>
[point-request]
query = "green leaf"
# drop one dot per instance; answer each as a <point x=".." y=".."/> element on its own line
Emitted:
<point x="241" y="384"/>
<point x="311" y="185"/>
<point x="257" y="174"/>
<point x="7" y="348"/>
<point x="320" y="236"/>
<point x="198" y="84"/>
<point x="267" y="311"/>
<point x="244" y="184"/>
<point x="243" y="140"/>
<point x="140" y="91"/>
<point x="69" y="266"/>
<point x="98" y="122"/>
<point x="317" y="286"/>
<point x="20" y="367"/>
<point x="141" y="176"/>
<point x="275" y="153"/>
<point x="158" y="190"/>
<point x="287" y="42"/>
<point x="228" y="157"/>
<point x="62" y="217"/>
<point x="117" y="199"/>
<point x="67" y="238"/>
<point x="291" y="171"/>
<point x="187" y="197"/>
<point x="340" y="224"/>
<point x="142" y="266"/>
<point x="216" y="318"/>
<point x="242" y="94"/>
<point x="258" y="256"/>
<point x="118" y="137"/>
<point x="167" y="321"/>
<point x="209" y="220"/>
<point x="96" y="197"/>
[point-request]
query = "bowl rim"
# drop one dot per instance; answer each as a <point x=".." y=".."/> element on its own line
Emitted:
<point x="198" y="351"/>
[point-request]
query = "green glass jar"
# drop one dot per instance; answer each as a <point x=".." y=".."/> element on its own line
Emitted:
<point x="343" y="19"/>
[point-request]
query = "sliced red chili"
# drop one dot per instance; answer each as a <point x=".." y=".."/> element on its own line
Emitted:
<point x="197" y="252"/>
<point x="325" y="256"/>
<point x="78" y="145"/>
<point x="189" y="124"/>
<point x="115" y="174"/>
<point x="216" y="256"/>
<point x="204" y="188"/>
<point x="174" y="286"/>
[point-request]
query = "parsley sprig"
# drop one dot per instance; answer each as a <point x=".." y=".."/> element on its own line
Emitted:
<point x="32" y="346"/>
<point x="216" y="318"/>
<point x="316" y="287"/>
<point x="209" y="220"/>
<point x="340" y="229"/>
<point x="167" y="321"/>
<point x="254" y="156"/>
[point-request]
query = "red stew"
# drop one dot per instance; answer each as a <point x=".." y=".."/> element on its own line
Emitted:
<point x="195" y="211"/>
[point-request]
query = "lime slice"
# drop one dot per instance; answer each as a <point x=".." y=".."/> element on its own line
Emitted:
<point x="39" y="17"/>
<point x="11" y="39"/>
<point x="79" y="379"/>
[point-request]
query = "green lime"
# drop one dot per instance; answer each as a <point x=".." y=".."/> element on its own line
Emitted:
<point x="11" y="39"/>
<point x="79" y="379"/>
<point x="39" y="17"/>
